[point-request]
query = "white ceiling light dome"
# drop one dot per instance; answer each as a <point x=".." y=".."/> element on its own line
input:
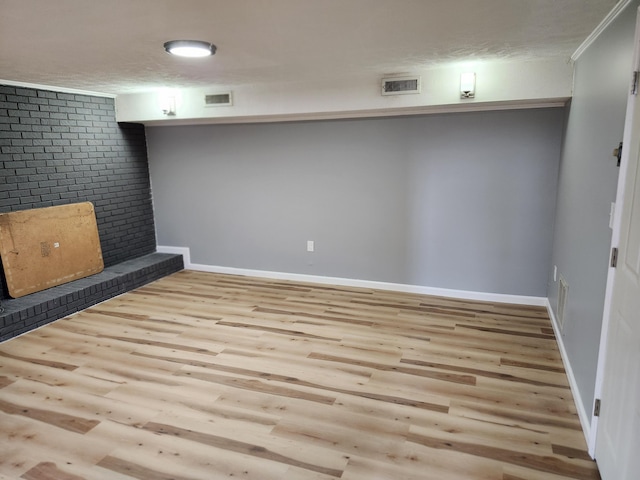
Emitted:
<point x="190" y="48"/>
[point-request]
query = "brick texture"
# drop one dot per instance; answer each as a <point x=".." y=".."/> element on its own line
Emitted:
<point x="58" y="148"/>
<point x="22" y="314"/>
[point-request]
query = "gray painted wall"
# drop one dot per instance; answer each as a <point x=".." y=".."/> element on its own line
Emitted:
<point x="587" y="186"/>
<point x="461" y="201"/>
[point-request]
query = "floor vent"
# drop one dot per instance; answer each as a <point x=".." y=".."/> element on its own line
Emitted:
<point x="218" y="100"/>
<point x="400" y="85"/>
<point x="563" y="290"/>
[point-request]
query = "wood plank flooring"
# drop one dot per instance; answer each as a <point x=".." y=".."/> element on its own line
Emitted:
<point x="207" y="376"/>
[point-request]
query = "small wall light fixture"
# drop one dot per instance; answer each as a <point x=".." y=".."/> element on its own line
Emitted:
<point x="190" y="48"/>
<point x="169" y="106"/>
<point x="468" y="85"/>
<point x="168" y="101"/>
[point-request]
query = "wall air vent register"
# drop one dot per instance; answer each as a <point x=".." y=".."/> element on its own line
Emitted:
<point x="218" y="100"/>
<point x="400" y="85"/>
<point x="563" y="290"/>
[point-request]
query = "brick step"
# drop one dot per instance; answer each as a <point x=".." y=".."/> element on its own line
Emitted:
<point x="23" y="314"/>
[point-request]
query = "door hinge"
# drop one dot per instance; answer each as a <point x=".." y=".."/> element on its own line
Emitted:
<point x="614" y="257"/>
<point x="617" y="152"/>
<point x="596" y="408"/>
<point x="634" y="83"/>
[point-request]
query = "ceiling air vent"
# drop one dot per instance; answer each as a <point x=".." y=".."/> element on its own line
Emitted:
<point x="400" y="85"/>
<point x="218" y="100"/>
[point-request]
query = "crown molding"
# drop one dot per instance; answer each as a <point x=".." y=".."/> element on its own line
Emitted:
<point x="55" y="89"/>
<point x="613" y="14"/>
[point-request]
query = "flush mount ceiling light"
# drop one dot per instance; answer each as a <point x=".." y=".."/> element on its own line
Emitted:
<point x="190" y="48"/>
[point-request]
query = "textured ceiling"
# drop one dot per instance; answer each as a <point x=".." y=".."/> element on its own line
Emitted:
<point x="115" y="46"/>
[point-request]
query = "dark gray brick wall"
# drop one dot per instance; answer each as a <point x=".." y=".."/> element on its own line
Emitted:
<point x="58" y="148"/>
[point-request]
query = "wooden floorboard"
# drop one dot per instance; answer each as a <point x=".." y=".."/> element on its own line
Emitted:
<point x="207" y="376"/>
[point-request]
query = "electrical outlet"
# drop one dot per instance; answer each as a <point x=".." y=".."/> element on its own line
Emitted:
<point x="310" y="246"/>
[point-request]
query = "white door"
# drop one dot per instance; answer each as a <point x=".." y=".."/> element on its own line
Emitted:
<point x="617" y="448"/>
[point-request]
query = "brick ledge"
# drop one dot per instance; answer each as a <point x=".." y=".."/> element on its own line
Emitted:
<point x="23" y="314"/>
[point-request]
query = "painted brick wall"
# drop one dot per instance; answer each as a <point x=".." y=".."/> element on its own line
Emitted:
<point x="58" y="148"/>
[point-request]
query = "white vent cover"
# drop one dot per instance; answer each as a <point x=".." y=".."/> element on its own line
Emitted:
<point x="563" y="290"/>
<point x="400" y="85"/>
<point x="218" y="99"/>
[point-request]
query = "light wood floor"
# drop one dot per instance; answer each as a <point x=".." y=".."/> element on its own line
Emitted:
<point x="206" y="376"/>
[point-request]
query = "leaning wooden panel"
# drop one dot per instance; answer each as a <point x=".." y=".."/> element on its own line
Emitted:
<point x="45" y="247"/>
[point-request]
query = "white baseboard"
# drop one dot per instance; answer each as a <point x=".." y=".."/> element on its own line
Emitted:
<point x="348" y="282"/>
<point x="585" y="418"/>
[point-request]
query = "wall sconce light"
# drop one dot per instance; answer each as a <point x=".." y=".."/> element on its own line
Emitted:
<point x="468" y="85"/>
<point x="169" y="105"/>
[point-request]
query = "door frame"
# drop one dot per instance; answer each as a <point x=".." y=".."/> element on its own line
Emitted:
<point x="615" y="239"/>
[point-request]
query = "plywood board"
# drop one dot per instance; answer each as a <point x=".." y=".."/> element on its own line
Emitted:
<point x="45" y="247"/>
